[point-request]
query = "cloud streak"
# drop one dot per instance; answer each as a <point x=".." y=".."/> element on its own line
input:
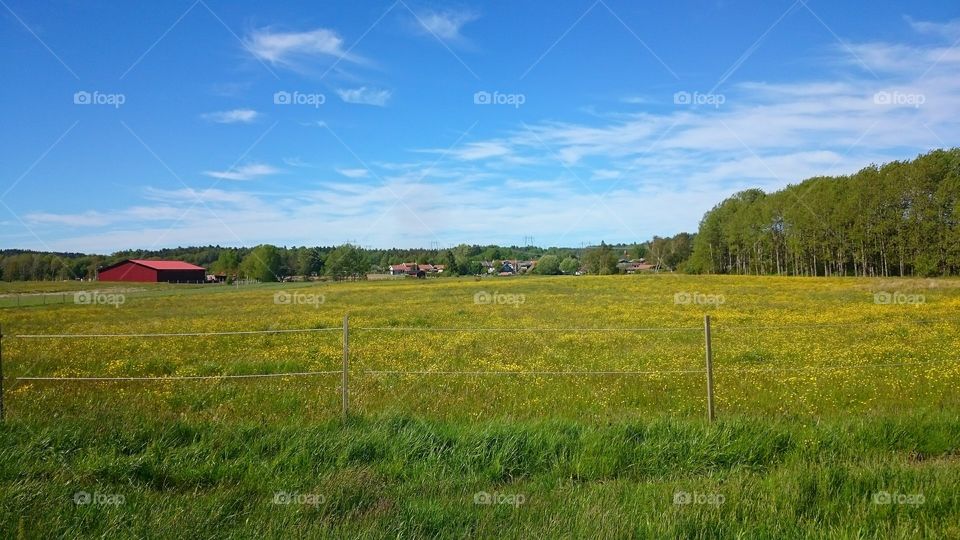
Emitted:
<point x="365" y="96"/>
<point x="354" y="173"/>
<point x="235" y="116"/>
<point x="292" y="49"/>
<point x="445" y="25"/>
<point x="249" y="171"/>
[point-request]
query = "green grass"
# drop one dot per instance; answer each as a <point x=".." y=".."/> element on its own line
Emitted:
<point x="824" y="400"/>
<point x="402" y="476"/>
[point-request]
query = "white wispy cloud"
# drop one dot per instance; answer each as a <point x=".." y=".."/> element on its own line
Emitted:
<point x="354" y="173"/>
<point x="473" y="151"/>
<point x="949" y="30"/>
<point x="896" y="58"/>
<point x="605" y="174"/>
<point x="445" y="25"/>
<point x="298" y="163"/>
<point x="425" y="211"/>
<point x="210" y="196"/>
<point x="93" y="218"/>
<point x="244" y="172"/>
<point x="85" y="219"/>
<point x="364" y="96"/>
<point x="289" y="49"/>
<point x="235" y="116"/>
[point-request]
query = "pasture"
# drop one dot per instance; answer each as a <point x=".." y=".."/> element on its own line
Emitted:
<point x="575" y="405"/>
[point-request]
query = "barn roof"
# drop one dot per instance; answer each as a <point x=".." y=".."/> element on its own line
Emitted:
<point x="167" y="265"/>
<point x="156" y="265"/>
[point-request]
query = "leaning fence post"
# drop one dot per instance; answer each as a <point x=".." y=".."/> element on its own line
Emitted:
<point x="345" y="380"/>
<point x="709" y="354"/>
<point x="1" y="373"/>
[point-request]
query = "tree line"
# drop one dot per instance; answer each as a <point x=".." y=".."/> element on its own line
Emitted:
<point x="899" y="219"/>
<point x="271" y="263"/>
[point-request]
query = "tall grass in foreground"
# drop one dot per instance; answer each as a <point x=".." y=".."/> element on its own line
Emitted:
<point x="399" y="476"/>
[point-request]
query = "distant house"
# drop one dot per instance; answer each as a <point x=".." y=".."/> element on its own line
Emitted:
<point x="403" y="269"/>
<point x="513" y="267"/>
<point x="415" y="269"/>
<point x="153" y="272"/>
<point x="633" y="266"/>
<point x="507" y="267"/>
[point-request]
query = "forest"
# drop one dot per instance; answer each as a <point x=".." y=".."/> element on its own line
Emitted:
<point x="899" y="219"/>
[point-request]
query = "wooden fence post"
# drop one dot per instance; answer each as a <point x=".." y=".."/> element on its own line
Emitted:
<point x="345" y="381"/>
<point x="709" y="354"/>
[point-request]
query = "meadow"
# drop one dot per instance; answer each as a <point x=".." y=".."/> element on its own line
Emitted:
<point x="532" y="406"/>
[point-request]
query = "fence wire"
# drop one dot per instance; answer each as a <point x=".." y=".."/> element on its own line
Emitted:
<point x="178" y="334"/>
<point x="535" y="373"/>
<point x="184" y="377"/>
<point x="544" y="330"/>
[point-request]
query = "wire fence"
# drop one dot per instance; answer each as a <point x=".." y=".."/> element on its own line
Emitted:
<point x="87" y="296"/>
<point x="15" y="300"/>
<point x="346" y="373"/>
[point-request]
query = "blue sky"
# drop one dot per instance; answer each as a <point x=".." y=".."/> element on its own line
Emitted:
<point x="407" y="124"/>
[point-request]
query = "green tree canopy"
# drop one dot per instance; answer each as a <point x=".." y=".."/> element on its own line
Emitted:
<point x="902" y="218"/>
<point x="569" y="265"/>
<point x="227" y="262"/>
<point x="262" y="263"/>
<point x="346" y="261"/>
<point x="600" y="260"/>
<point x="548" y="265"/>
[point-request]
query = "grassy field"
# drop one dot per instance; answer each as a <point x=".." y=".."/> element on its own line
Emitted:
<point x="573" y="405"/>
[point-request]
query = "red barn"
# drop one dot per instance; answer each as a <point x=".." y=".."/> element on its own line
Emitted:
<point x="153" y="271"/>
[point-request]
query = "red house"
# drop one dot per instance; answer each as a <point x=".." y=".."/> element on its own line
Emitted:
<point x="153" y="272"/>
